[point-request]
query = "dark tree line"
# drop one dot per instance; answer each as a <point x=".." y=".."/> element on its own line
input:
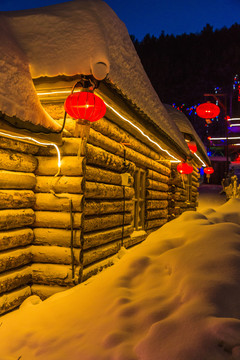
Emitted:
<point x="182" y="68"/>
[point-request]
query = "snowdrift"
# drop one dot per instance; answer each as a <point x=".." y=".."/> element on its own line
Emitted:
<point x="176" y="296"/>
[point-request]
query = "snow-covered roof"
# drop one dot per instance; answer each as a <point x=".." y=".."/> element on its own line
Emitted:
<point x="185" y="126"/>
<point x="82" y="37"/>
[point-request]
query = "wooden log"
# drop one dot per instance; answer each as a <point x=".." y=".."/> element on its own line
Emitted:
<point x="101" y="191"/>
<point x="156" y="204"/>
<point x="54" y="255"/>
<point x="106" y="221"/>
<point x="101" y="252"/>
<point x="105" y="207"/>
<point x="12" y="199"/>
<point x="104" y="176"/>
<point x="15" y="258"/>
<point x="59" y="184"/>
<point x="53" y="219"/>
<point x="13" y="299"/>
<point x="120" y="135"/>
<point x="19" y="146"/>
<point x="155" y="185"/>
<point x="69" y="147"/>
<point x="134" y="239"/>
<point x="99" y="238"/>
<point x="61" y="202"/>
<point x="10" y="219"/>
<point x="45" y="291"/>
<point x="15" y="279"/>
<point x="97" y="139"/>
<point x="155" y="223"/>
<point x="156" y="214"/>
<point x="16" y="180"/>
<point x="14" y="161"/>
<point x="14" y="238"/>
<point x="53" y="274"/>
<point x="157" y="176"/>
<point x="56" y="237"/>
<point x="152" y="194"/>
<point x="70" y="165"/>
<point x="95" y="268"/>
<point x="97" y="156"/>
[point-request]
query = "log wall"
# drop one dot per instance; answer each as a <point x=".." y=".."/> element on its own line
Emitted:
<point x="17" y="198"/>
<point x="183" y="192"/>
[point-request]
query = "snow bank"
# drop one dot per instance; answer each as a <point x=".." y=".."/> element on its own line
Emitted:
<point x="87" y="37"/>
<point x="176" y="296"/>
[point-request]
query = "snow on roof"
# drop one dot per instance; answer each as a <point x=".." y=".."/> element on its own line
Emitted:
<point x="17" y="93"/>
<point x="184" y="125"/>
<point x="86" y="37"/>
<point x="174" y="296"/>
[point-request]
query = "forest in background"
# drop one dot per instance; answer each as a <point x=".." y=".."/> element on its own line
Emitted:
<point x="182" y="68"/>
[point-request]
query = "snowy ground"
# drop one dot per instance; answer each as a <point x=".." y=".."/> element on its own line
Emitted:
<point x="176" y="296"/>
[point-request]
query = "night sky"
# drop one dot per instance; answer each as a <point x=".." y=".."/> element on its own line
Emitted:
<point x="154" y="16"/>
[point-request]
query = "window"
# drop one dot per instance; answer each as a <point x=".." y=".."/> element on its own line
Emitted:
<point x="139" y="199"/>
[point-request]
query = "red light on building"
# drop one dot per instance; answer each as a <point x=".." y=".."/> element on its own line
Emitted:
<point x="184" y="168"/>
<point x="192" y="146"/>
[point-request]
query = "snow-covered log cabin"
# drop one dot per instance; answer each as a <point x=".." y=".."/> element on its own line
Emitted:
<point x="68" y="203"/>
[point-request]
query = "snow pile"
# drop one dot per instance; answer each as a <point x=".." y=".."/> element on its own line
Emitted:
<point x="176" y="296"/>
<point x="87" y="37"/>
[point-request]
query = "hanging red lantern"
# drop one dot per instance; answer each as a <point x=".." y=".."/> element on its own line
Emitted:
<point x="208" y="171"/>
<point x="192" y="146"/>
<point x="85" y="107"/>
<point x="184" y="168"/>
<point x="208" y="111"/>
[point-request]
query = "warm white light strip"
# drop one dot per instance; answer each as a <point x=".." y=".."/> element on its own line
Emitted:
<point x="146" y="136"/>
<point x="234" y="125"/>
<point x="55" y="92"/>
<point x="203" y="163"/>
<point x="233" y="119"/>
<point x="224" y="138"/>
<point x="37" y="142"/>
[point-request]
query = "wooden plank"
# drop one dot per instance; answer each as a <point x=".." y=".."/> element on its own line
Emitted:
<point x="101" y="252"/>
<point x="56" y="237"/>
<point x="14" y="279"/>
<point x="104" y="176"/>
<point x="14" y="238"/>
<point x="153" y="175"/>
<point x="101" y="191"/>
<point x="54" y="255"/>
<point x="70" y="165"/>
<point x="156" y="204"/>
<point x="53" y="219"/>
<point x="106" y="221"/>
<point x="13" y="199"/>
<point x="10" y="219"/>
<point x="92" y="207"/>
<point x="19" y="146"/>
<point x="156" y="214"/>
<point x="14" y="161"/>
<point x="58" y="202"/>
<point x="59" y="184"/>
<point x="155" y="223"/>
<point x="15" y="258"/>
<point x="102" y="237"/>
<point x="156" y="195"/>
<point x="16" y="180"/>
<point x="156" y="185"/>
<point x="53" y="274"/>
<point x="13" y="299"/>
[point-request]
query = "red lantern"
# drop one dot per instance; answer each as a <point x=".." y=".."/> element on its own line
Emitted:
<point x="184" y="168"/>
<point x="207" y="111"/>
<point x="208" y="171"/>
<point x="192" y="146"/>
<point x="85" y="107"/>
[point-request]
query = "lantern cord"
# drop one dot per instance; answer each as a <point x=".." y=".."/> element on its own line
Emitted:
<point x="72" y="253"/>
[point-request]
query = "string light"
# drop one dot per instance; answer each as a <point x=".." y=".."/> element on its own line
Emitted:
<point x="146" y="136"/>
<point x="37" y="142"/>
<point x="126" y="120"/>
